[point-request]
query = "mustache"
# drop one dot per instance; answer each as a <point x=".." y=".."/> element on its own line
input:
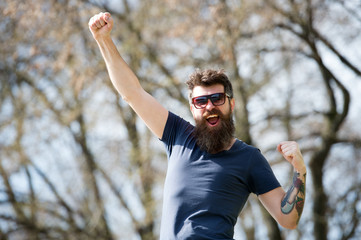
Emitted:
<point x="216" y="112"/>
<point x="213" y="111"/>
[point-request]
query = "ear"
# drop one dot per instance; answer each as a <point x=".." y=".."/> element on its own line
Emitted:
<point x="233" y="103"/>
<point x="191" y="107"/>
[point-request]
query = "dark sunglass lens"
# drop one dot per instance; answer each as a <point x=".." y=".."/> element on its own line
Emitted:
<point x="217" y="99"/>
<point x="200" y="101"/>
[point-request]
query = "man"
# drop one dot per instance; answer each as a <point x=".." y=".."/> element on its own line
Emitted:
<point x="210" y="173"/>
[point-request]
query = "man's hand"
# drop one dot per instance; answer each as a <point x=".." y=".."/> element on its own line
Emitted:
<point x="101" y="25"/>
<point x="291" y="152"/>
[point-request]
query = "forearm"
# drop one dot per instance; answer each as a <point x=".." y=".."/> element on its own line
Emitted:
<point x="287" y="207"/>
<point x="122" y="77"/>
<point x="293" y="201"/>
<point x="124" y="80"/>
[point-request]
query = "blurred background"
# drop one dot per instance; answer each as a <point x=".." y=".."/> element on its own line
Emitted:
<point x="77" y="163"/>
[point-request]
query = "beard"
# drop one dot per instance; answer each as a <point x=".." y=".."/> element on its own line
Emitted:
<point x="214" y="139"/>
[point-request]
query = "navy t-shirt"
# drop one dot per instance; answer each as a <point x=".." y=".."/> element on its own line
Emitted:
<point x="204" y="193"/>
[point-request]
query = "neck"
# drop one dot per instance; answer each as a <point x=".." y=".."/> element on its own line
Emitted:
<point x="233" y="140"/>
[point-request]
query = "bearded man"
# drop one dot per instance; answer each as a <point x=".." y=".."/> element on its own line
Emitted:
<point x="210" y="173"/>
<point x="214" y="129"/>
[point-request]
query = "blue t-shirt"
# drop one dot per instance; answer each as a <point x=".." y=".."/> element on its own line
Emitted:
<point x="204" y="193"/>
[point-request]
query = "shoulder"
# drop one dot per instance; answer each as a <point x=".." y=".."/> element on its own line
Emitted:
<point x="239" y="145"/>
<point x="175" y="121"/>
<point x="176" y="127"/>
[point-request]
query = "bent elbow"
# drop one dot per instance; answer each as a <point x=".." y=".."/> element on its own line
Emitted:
<point x="132" y="95"/>
<point x="125" y="98"/>
<point x="289" y="224"/>
<point x="129" y="97"/>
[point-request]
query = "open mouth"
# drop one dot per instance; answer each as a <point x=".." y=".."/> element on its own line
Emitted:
<point x="213" y="119"/>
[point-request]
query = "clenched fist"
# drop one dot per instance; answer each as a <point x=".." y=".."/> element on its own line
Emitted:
<point x="291" y="152"/>
<point x="101" y="25"/>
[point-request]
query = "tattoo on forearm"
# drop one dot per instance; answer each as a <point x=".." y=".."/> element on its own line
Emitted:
<point x="295" y="196"/>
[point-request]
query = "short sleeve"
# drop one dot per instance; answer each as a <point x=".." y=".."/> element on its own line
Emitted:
<point x="261" y="176"/>
<point x="175" y="132"/>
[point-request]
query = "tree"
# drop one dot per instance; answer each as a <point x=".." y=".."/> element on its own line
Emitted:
<point x="77" y="163"/>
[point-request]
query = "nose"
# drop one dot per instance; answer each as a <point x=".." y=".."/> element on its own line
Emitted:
<point x="209" y="105"/>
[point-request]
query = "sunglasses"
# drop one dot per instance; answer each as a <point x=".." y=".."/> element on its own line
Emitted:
<point x="217" y="99"/>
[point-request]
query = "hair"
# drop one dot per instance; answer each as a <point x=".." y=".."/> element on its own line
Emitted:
<point x="207" y="78"/>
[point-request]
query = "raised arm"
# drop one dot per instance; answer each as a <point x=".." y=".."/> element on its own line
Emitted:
<point x="124" y="80"/>
<point x="287" y="207"/>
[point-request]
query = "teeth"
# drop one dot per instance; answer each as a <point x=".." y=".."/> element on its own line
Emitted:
<point x="212" y="116"/>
